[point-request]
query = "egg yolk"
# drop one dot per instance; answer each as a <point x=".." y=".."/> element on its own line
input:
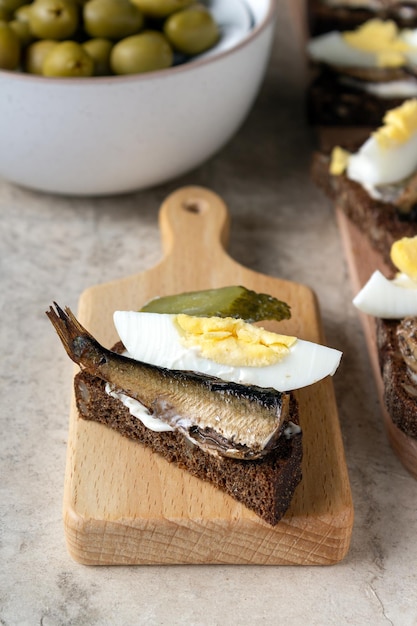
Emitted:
<point x="339" y="160"/>
<point x="380" y="38"/>
<point x="399" y="125"/>
<point x="230" y="341"/>
<point x="404" y="256"/>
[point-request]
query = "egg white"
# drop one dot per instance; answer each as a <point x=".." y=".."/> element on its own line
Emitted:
<point x="374" y="165"/>
<point x="410" y="37"/>
<point x="387" y="299"/>
<point x="153" y="338"/>
<point x="331" y="48"/>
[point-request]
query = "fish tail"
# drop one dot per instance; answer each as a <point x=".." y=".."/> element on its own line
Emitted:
<point x="75" y="338"/>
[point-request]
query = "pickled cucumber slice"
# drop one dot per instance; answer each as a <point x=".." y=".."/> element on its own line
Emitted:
<point x="233" y="301"/>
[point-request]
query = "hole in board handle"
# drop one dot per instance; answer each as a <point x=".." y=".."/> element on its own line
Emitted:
<point x="195" y="205"/>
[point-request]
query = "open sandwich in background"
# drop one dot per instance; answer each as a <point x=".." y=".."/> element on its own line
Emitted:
<point x="357" y="76"/>
<point x="376" y="185"/>
<point x="393" y="302"/>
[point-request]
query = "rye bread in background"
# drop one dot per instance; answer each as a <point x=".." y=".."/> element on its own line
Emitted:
<point x="381" y="222"/>
<point x="335" y="101"/>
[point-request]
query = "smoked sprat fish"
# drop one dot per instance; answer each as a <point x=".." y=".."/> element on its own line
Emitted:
<point x="407" y="342"/>
<point x="239" y="421"/>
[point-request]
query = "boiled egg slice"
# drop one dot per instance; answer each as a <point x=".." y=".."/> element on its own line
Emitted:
<point x="397" y="298"/>
<point x="389" y="155"/>
<point x="250" y="357"/>
<point x="387" y="299"/>
<point x="332" y="49"/>
<point x="375" y="44"/>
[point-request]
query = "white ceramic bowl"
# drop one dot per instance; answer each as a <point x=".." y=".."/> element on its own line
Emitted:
<point x="97" y="136"/>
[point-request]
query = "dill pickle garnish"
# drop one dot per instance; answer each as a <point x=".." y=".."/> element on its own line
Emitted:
<point x="232" y="301"/>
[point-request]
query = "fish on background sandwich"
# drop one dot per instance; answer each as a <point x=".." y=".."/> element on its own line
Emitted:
<point x="393" y="302"/>
<point x="376" y="185"/>
<point x="211" y="393"/>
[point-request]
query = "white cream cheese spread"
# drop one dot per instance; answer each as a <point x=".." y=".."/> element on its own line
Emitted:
<point x="137" y="409"/>
<point x="384" y="89"/>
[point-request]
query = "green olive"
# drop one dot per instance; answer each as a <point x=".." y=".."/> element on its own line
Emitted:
<point x="36" y="53"/>
<point x="161" y="8"/>
<point x="9" y="47"/>
<point x="53" y="19"/>
<point x="101" y="37"/>
<point x="22" y="30"/>
<point x="112" y="19"/>
<point x="68" y="59"/>
<point x="192" y="31"/>
<point x="146" y="52"/>
<point x="22" y="14"/>
<point x="99" y="50"/>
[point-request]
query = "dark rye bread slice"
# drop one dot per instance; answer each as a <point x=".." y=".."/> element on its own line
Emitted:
<point x="381" y="222"/>
<point x="332" y="101"/>
<point x="266" y="486"/>
<point x="400" y="392"/>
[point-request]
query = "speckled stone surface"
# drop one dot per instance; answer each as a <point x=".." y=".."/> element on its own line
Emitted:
<point x="53" y="248"/>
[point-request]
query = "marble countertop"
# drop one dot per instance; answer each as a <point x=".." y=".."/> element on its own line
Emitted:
<point x="51" y="249"/>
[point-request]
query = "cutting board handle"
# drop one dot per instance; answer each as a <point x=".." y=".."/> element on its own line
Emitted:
<point x="194" y="224"/>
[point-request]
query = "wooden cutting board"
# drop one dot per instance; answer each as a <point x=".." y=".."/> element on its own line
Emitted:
<point x="125" y="505"/>
<point x="362" y="261"/>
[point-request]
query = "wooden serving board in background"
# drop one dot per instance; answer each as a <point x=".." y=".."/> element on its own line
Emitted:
<point x="125" y="505"/>
<point x="362" y="261"/>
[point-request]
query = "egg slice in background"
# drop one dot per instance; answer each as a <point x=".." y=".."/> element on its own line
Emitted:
<point x="375" y="44"/>
<point x="409" y="36"/>
<point x="404" y="256"/>
<point x="387" y="299"/>
<point x="374" y="165"/>
<point x="155" y="338"/>
<point x="332" y="49"/>
<point x="396" y="298"/>
<point x="388" y="156"/>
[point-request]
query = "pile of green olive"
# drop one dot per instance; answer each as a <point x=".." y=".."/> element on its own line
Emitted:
<point x="81" y="38"/>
